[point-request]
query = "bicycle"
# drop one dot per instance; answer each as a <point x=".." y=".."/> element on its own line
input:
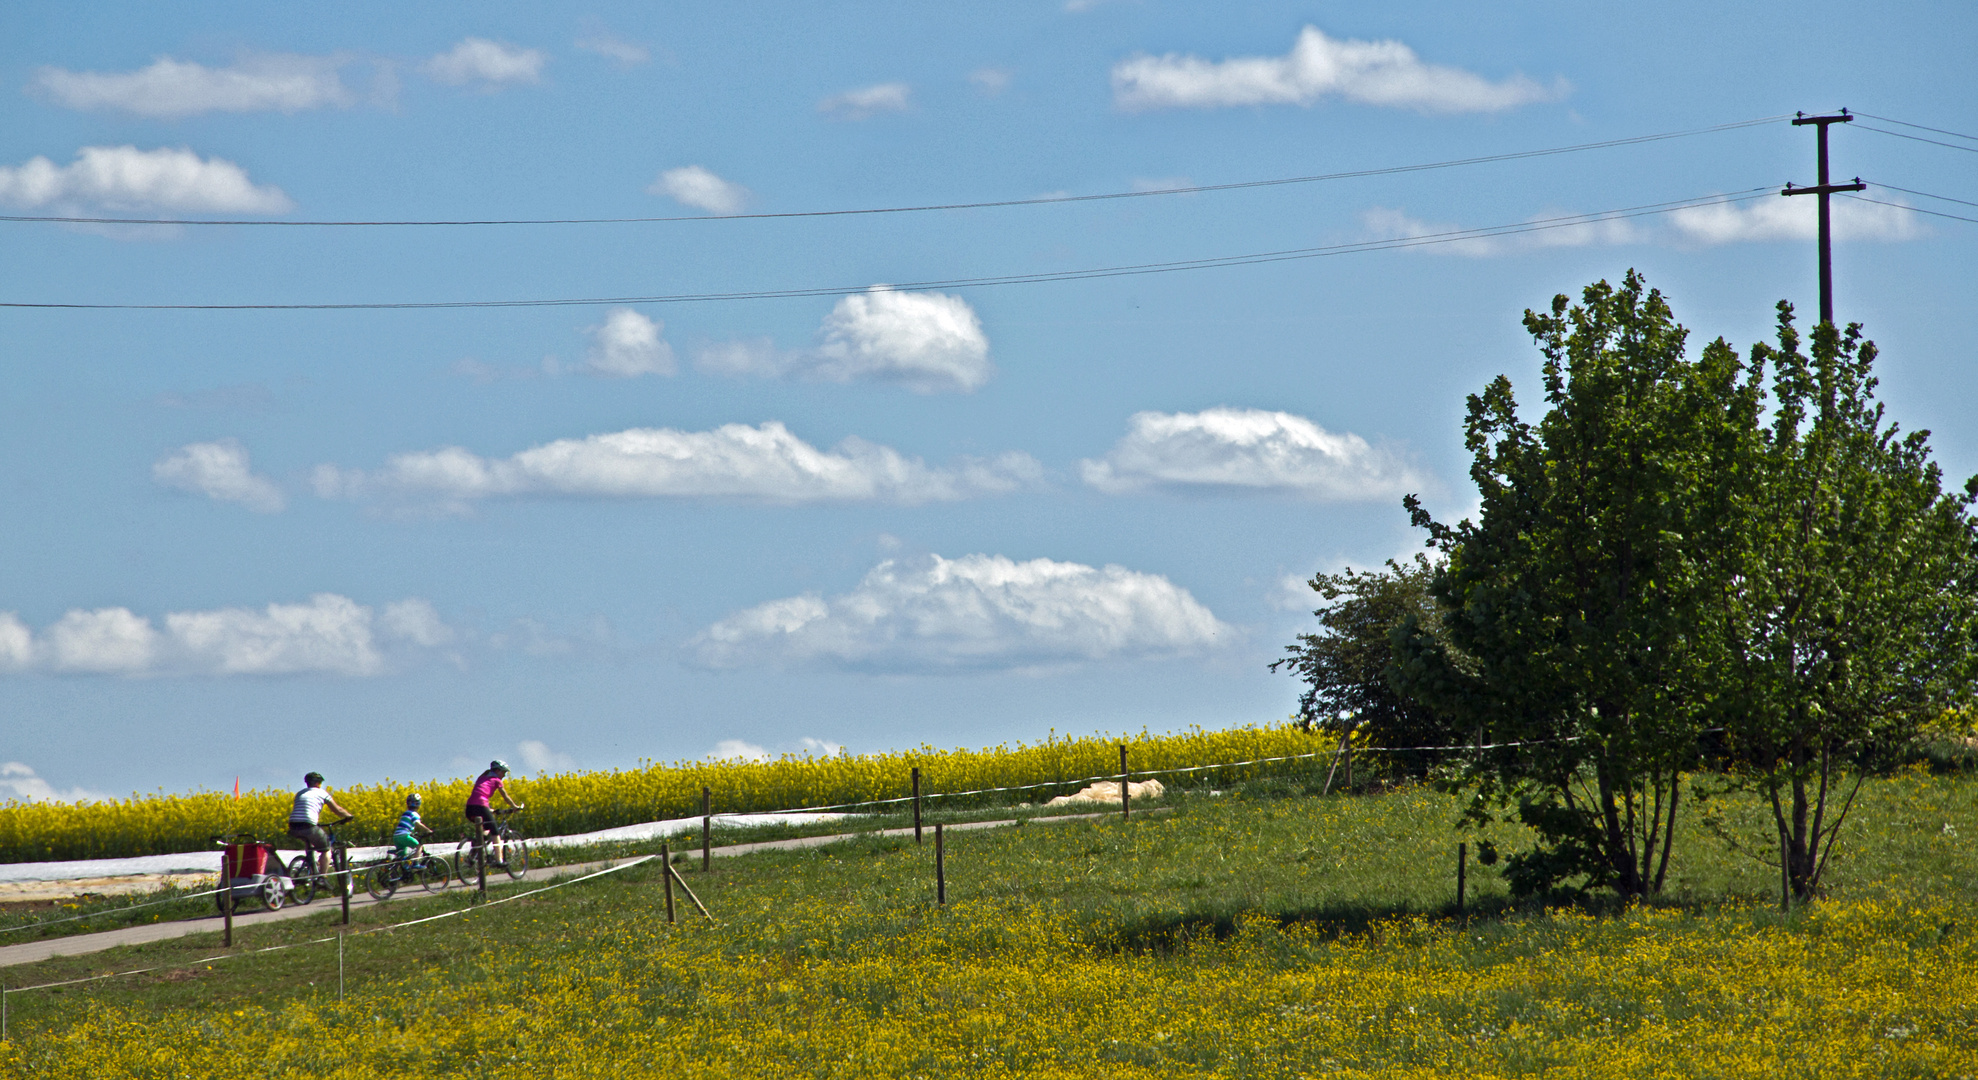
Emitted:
<point x="468" y="855"/>
<point x="302" y="868"/>
<point x="431" y="871"/>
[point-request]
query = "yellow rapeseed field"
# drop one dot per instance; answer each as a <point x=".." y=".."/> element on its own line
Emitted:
<point x="980" y="990"/>
<point x="583" y="801"/>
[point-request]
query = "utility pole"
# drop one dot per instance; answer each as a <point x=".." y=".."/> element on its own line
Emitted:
<point x="1824" y="189"/>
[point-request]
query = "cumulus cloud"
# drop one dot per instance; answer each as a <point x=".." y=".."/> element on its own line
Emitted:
<point x="991" y="81"/>
<point x="628" y="344"/>
<point x="1389" y="223"/>
<point x="1793" y="218"/>
<point x="974" y="612"/>
<point x="1247" y="450"/>
<point x="692" y="185"/>
<point x="1760" y="220"/>
<point x="925" y="341"/>
<point x="218" y="470"/>
<point x="329" y="634"/>
<point x="736" y="750"/>
<point x="19" y="783"/>
<point x="765" y="463"/>
<point x="868" y="101"/>
<point x="539" y="759"/>
<point x="1386" y="73"/>
<point x="616" y="49"/>
<point x="171" y="88"/>
<point x="492" y="64"/>
<point x="126" y="178"/>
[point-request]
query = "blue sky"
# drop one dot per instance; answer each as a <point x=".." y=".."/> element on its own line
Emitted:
<point x="398" y="542"/>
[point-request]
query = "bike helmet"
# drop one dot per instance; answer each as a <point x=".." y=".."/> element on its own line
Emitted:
<point x="412" y="801"/>
<point x="498" y="765"/>
<point x="313" y="779"/>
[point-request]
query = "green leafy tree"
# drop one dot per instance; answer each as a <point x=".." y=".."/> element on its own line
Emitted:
<point x="1570" y="608"/>
<point x="1849" y="623"/>
<point x="1347" y="664"/>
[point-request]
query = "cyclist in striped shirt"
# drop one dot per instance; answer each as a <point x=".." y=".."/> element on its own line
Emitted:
<point x="305" y="815"/>
<point x="404" y="836"/>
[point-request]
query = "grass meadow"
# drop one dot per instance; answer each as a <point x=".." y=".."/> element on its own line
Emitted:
<point x="1263" y="932"/>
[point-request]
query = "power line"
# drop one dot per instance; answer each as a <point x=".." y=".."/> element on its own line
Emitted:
<point x="1919" y="127"/>
<point x="1216" y="262"/>
<point x="1923" y="194"/>
<point x="1916" y="209"/>
<point x="1038" y="201"/>
<point x="1916" y="138"/>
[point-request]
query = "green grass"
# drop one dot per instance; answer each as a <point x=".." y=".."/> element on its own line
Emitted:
<point x="1163" y="888"/>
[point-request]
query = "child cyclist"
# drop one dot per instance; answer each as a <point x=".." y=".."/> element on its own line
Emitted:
<point x="404" y="836"/>
<point x="480" y="814"/>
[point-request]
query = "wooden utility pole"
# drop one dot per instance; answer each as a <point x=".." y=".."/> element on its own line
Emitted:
<point x="1824" y="190"/>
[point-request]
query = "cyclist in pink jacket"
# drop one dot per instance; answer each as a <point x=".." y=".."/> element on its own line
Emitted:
<point x="481" y="815"/>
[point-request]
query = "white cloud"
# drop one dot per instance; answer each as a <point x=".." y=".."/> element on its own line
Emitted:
<point x="991" y="81"/>
<point x="977" y="611"/>
<point x="491" y="63"/>
<point x="628" y="344"/>
<point x="823" y="746"/>
<point x="1793" y="218"/>
<point x="19" y="783"/>
<point x="692" y="185"/>
<point x="733" y="461"/>
<point x="928" y="342"/>
<point x="868" y="101"/>
<point x="1247" y="449"/>
<point x="278" y="82"/>
<point x="736" y="750"/>
<point x="416" y="621"/>
<point x="1388" y="223"/>
<point x="126" y="178"/>
<point x="329" y="634"/>
<point x="218" y="470"/>
<point x="16" y="643"/>
<point x="616" y="49"/>
<point x="539" y="759"/>
<point x="1384" y="73"/>
<point x="103" y="641"/>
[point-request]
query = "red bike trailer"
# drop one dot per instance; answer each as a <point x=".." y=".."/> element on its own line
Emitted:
<point x="252" y="870"/>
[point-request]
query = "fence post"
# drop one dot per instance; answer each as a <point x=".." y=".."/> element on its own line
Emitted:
<point x="226" y="900"/>
<point x="346" y="886"/>
<point x="666" y="876"/>
<point x="481" y="863"/>
<point x="707" y="828"/>
<point x="1348" y="744"/>
<point x="940" y="869"/>
<point x="1462" y="860"/>
<point x="1125" y="787"/>
<point x="916" y="804"/>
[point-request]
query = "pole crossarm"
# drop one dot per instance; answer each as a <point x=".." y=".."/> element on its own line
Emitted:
<point x="1824" y="188"/>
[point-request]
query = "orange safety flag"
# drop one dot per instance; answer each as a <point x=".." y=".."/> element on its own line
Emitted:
<point x="236" y="789"/>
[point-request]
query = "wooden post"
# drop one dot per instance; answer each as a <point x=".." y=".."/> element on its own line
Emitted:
<point x="227" y="897"/>
<point x="1462" y="868"/>
<point x="940" y="869"/>
<point x="707" y="829"/>
<point x="666" y="875"/>
<point x="1125" y="788"/>
<point x="916" y="804"/>
<point x="1347" y="742"/>
<point x="481" y="863"/>
<point x="346" y="887"/>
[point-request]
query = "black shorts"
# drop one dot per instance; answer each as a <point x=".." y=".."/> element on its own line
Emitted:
<point x="312" y="836"/>
<point x="484" y="816"/>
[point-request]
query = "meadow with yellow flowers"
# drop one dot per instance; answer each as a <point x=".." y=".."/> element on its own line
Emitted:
<point x="1255" y="933"/>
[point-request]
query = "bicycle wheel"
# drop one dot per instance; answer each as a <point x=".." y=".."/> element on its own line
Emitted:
<point x="518" y="856"/>
<point x="302" y="875"/>
<point x="383" y="879"/>
<point x="467" y="860"/>
<point x="434" y="874"/>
